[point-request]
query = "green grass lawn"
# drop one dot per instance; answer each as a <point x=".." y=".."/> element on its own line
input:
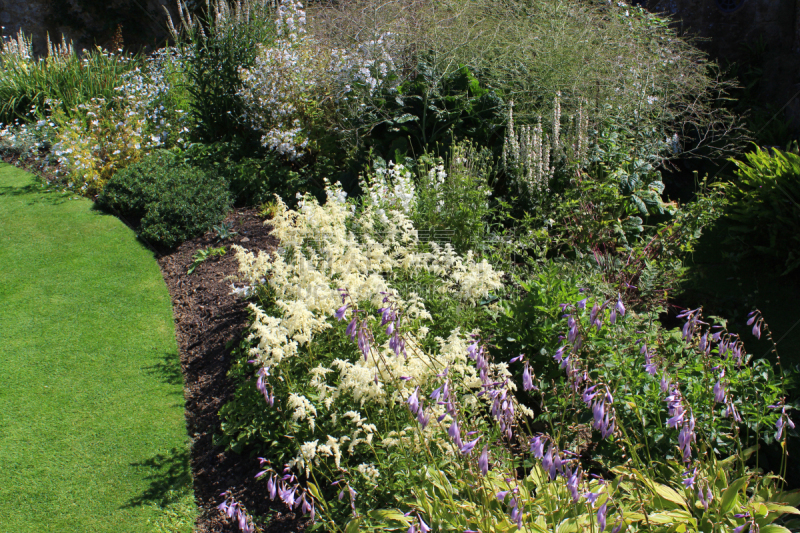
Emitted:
<point x="92" y="431"/>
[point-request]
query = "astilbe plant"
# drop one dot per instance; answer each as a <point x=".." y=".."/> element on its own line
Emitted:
<point x="333" y="402"/>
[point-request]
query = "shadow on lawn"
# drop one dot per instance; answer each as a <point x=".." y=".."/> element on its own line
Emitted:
<point x="169" y="478"/>
<point x="37" y="194"/>
<point x="168" y="370"/>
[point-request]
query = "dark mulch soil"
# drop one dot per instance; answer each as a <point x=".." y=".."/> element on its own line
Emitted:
<point x="207" y="317"/>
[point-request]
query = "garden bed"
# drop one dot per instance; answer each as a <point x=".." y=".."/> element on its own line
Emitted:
<point x="208" y="319"/>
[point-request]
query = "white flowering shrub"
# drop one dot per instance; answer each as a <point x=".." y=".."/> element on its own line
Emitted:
<point x="295" y="82"/>
<point x="360" y="273"/>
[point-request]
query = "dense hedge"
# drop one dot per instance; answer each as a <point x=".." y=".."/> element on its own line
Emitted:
<point x="168" y="199"/>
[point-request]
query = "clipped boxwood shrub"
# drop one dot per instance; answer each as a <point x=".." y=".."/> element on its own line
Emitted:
<point x="169" y="200"/>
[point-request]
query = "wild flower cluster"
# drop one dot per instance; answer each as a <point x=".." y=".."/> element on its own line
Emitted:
<point x="293" y="77"/>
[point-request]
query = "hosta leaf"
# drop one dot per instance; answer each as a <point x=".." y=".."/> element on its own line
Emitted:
<point x="670" y="494"/>
<point x="774" y="528"/>
<point x="352" y="526"/>
<point x="782" y="509"/>
<point x="390" y="515"/>
<point x="729" y="496"/>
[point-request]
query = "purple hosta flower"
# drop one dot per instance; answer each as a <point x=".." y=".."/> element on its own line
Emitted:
<point x="341" y="312"/>
<point x="744" y="528"/>
<point x="692" y="317"/>
<point x="620" y="307"/>
<point x="516" y="510"/>
<point x="612" y="316"/>
<point x="675" y="408"/>
<point x="423" y="527"/>
<point x="501" y="496"/>
<point x="527" y="381"/>
<point x="467" y="448"/>
<point x="601" y="516"/>
<point x="604" y="420"/>
<point x="559" y="355"/>
<point x="232" y="509"/>
<point x="730" y="411"/>
<point x="552" y="462"/>
<point x="572" y="334"/>
<point x="517" y="358"/>
<point x="689" y="478"/>
<point x="783" y="421"/>
<point x="705" y="498"/>
<point x="397" y="343"/>
<point x="272" y="487"/>
<point x="537" y="446"/>
<point x="573" y="481"/>
<point x="455" y="433"/>
<point x="665" y="383"/>
<point x="413" y="401"/>
<point x="483" y="461"/>
<point x="755" y="320"/>
<point x="365" y="338"/>
<point x="592" y="497"/>
<point x="582" y="303"/>
<point x="685" y="439"/>
<point x="649" y="365"/>
<point x="719" y="392"/>
<point x="287" y="494"/>
<point x="352" y="327"/>
<point x="705" y="345"/>
<point x="387" y="315"/>
<point x="422" y="418"/>
<point x="594" y="312"/>
<point x="589" y="394"/>
<point x="261" y="385"/>
<point x="344" y="294"/>
<point x="503" y="409"/>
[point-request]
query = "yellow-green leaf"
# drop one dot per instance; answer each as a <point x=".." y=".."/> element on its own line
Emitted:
<point x="729" y="496"/>
<point x="782" y="509"/>
<point x="773" y="528"/>
<point x="352" y="525"/>
<point x="670" y="494"/>
<point x="389" y="515"/>
<point x="312" y="488"/>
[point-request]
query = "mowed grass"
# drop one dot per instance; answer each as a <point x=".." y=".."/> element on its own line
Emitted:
<point x="92" y="430"/>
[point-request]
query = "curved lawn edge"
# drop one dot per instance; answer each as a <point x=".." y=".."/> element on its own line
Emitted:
<point x="92" y="428"/>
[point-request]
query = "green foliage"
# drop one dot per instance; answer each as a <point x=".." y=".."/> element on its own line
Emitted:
<point x="201" y="256"/>
<point x="615" y="354"/>
<point x="431" y="110"/>
<point x="170" y="200"/>
<point x="457" y="500"/>
<point x="453" y="199"/>
<point x="255" y="180"/>
<point x="765" y="205"/>
<point x="223" y="41"/>
<point x="61" y="81"/>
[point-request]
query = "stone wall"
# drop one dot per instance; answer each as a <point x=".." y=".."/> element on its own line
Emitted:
<point x="86" y="22"/>
<point x="749" y="24"/>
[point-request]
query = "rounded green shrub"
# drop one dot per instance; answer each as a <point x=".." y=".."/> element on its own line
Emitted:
<point x="169" y="200"/>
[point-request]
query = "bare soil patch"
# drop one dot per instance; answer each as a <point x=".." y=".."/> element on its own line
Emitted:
<point x="207" y="320"/>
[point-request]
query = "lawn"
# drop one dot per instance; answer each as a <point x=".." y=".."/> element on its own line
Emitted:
<point x="92" y="432"/>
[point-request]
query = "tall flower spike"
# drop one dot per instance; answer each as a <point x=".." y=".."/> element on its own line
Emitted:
<point x="483" y="462"/>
